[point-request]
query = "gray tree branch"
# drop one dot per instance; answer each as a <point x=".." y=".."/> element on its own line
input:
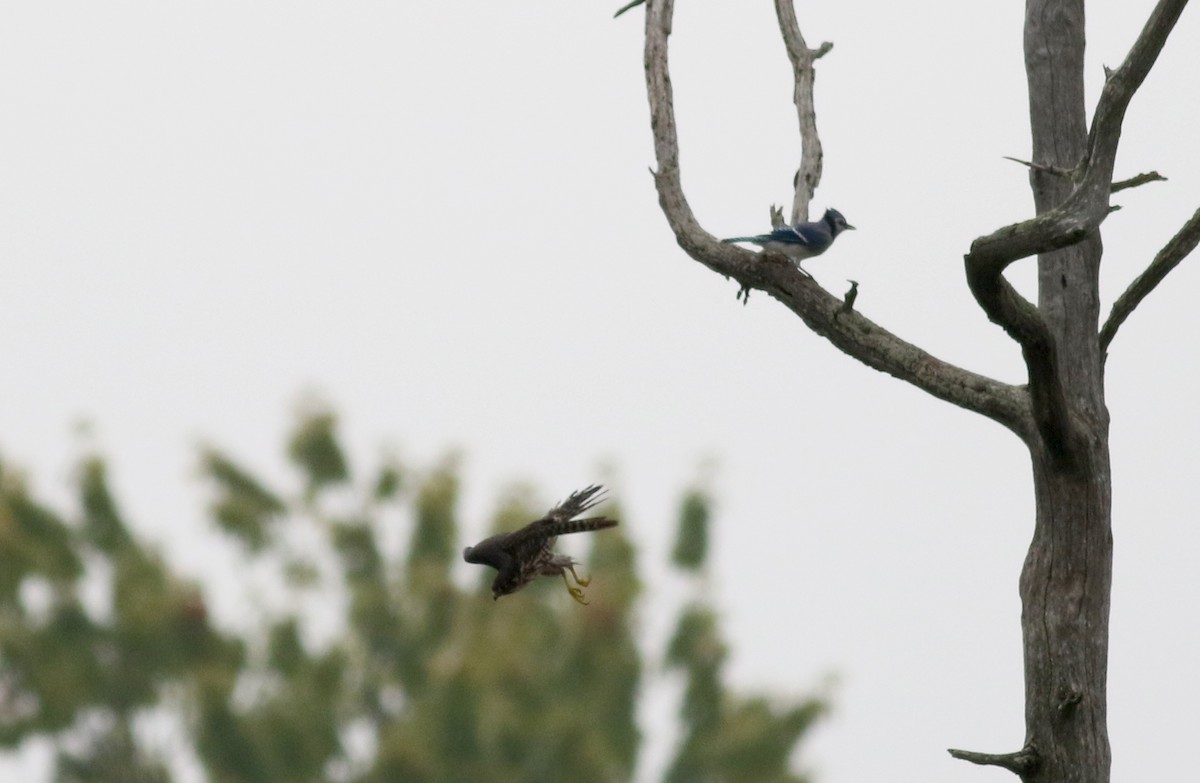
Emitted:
<point x="1138" y="180"/>
<point x="1119" y="89"/>
<point x="1177" y="249"/>
<point x="808" y="177"/>
<point x="1073" y="220"/>
<point x="1023" y="762"/>
<point x="850" y="331"/>
<point x="1133" y="182"/>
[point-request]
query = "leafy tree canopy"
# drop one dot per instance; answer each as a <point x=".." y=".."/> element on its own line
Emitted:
<point x="425" y="679"/>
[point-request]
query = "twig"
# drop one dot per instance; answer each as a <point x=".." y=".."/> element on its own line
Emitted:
<point x="848" y="299"/>
<point x="1024" y="762"/>
<point x="627" y="6"/>
<point x="1073" y="174"/>
<point x="1055" y="170"/>
<point x="1140" y="179"/>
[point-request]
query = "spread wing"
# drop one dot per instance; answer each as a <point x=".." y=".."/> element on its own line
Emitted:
<point x="560" y="520"/>
<point x="576" y="504"/>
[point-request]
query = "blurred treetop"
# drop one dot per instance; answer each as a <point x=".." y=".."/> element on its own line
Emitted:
<point x="424" y="680"/>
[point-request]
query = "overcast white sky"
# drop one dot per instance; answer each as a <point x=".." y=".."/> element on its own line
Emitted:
<point x="439" y="217"/>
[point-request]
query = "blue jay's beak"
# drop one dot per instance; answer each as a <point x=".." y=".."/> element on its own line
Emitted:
<point x="852" y="228"/>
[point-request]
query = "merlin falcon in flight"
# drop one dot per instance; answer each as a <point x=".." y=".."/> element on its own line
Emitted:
<point x="523" y="555"/>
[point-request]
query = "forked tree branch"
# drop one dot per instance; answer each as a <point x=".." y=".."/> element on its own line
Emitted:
<point x="1183" y="243"/>
<point x="808" y="177"/>
<point x="1073" y="220"/>
<point x="825" y="314"/>
<point x="1119" y="89"/>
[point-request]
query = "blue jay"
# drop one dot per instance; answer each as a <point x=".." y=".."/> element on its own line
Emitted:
<point x="803" y="240"/>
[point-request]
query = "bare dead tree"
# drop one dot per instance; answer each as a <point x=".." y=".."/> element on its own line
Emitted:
<point x="1060" y="413"/>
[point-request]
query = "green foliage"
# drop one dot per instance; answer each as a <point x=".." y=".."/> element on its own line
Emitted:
<point x="691" y="544"/>
<point x="436" y="531"/>
<point x="111" y="756"/>
<point x="315" y="451"/>
<point x="388" y="482"/>
<point x="101" y="520"/>
<point x="423" y="680"/>
<point x="242" y="507"/>
<point x="52" y="672"/>
<point x="34" y="541"/>
<point x="727" y="738"/>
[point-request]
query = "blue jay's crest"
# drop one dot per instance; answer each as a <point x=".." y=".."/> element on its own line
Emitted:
<point x="837" y="222"/>
<point x="803" y="240"/>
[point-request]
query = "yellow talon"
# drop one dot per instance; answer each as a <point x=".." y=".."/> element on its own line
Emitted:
<point x="575" y="592"/>
<point x="578" y="581"/>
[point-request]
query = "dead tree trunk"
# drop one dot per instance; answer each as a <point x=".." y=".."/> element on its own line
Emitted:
<point x="1067" y="578"/>
<point x="1060" y="413"/>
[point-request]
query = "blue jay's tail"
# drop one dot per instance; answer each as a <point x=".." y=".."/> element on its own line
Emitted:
<point x="731" y="240"/>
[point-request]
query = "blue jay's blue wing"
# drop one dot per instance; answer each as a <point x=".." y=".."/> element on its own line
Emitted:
<point x="793" y="235"/>
<point x="813" y="234"/>
<point x="807" y="234"/>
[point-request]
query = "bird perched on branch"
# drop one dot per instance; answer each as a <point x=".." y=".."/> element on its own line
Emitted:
<point x="523" y="555"/>
<point x="803" y="240"/>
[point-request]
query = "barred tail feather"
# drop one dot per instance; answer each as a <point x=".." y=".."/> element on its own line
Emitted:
<point x="561" y="519"/>
<point x="567" y="527"/>
<point x="545" y="529"/>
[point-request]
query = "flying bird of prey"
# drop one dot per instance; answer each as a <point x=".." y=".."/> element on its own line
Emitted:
<point x="523" y="555"/>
